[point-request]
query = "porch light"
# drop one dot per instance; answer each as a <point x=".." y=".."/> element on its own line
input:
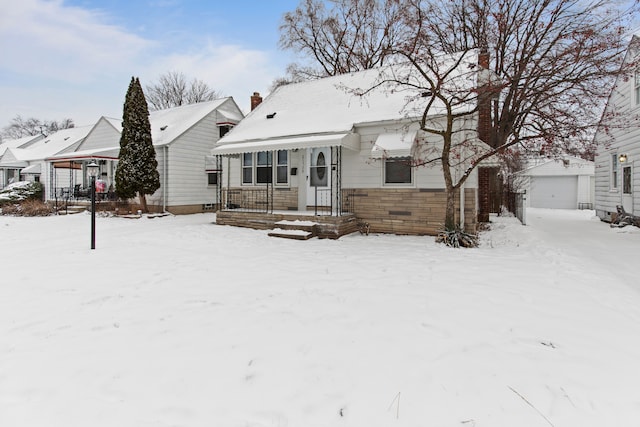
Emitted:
<point x="92" y="171"/>
<point x="622" y="158"/>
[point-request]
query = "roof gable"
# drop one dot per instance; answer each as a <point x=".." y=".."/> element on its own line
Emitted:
<point x="167" y="125"/>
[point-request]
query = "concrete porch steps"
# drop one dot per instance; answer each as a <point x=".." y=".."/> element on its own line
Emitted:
<point x="299" y="230"/>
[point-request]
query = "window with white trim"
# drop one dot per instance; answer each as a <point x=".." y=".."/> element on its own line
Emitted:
<point x="398" y="170"/>
<point x="258" y="168"/>
<point x="212" y="177"/>
<point x="613" y="177"/>
<point x="247" y="168"/>
<point x="264" y="168"/>
<point x="282" y="167"/>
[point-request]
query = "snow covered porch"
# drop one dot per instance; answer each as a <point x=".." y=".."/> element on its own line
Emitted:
<point x="68" y="178"/>
<point x="294" y="179"/>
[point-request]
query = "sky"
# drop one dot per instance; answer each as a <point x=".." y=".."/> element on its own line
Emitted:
<point x="75" y="58"/>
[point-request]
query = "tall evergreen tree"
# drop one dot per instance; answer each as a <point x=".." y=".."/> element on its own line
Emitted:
<point x="137" y="170"/>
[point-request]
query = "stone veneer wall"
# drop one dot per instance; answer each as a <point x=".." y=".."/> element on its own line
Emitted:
<point x="285" y="199"/>
<point x="330" y="227"/>
<point x="408" y="211"/>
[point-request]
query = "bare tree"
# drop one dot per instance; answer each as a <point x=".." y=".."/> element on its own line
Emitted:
<point x="20" y="127"/>
<point x="173" y="90"/>
<point x="545" y="67"/>
<point x="352" y="35"/>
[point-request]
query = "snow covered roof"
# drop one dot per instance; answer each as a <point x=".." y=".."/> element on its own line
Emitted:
<point x="334" y="104"/>
<point x="169" y="124"/>
<point x="568" y="165"/>
<point x="19" y="143"/>
<point x="166" y="126"/>
<point x="45" y="147"/>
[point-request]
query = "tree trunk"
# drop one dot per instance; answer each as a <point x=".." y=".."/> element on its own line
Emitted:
<point x="450" y="212"/>
<point x="143" y="203"/>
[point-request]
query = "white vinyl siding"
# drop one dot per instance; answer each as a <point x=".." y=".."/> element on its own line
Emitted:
<point x="613" y="140"/>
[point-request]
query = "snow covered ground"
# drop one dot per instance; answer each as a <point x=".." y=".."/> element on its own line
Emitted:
<point x="176" y="321"/>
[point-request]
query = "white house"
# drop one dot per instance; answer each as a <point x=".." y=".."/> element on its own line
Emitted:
<point x="31" y="160"/>
<point x="182" y="137"/>
<point x="10" y="173"/>
<point x="566" y="183"/>
<point x="318" y="148"/>
<point x="617" y="162"/>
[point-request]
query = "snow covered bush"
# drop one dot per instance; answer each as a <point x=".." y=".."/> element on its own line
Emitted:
<point x="19" y="191"/>
<point x="457" y="238"/>
<point x="23" y="198"/>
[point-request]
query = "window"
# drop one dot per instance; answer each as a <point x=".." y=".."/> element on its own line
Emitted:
<point x="224" y="130"/>
<point x="247" y="168"/>
<point x="636" y="86"/>
<point x="614" y="172"/>
<point x="398" y="170"/>
<point x="260" y="165"/>
<point x="212" y="178"/>
<point x="264" y="169"/>
<point x="626" y="180"/>
<point x="282" y="167"/>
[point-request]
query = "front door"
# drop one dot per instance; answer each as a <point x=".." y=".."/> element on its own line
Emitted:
<point x="627" y="189"/>
<point x="319" y="178"/>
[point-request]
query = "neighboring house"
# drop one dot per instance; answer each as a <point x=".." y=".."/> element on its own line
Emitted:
<point x="617" y="162"/>
<point x="9" y="173"/>
<point x="315" y="148"/>
<point x="182" y="137"/>
<point x="31" y="160"/>
<point x="566" y="183"/>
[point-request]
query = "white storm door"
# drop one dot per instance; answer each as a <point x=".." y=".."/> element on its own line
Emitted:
<point x="319" y="179"/>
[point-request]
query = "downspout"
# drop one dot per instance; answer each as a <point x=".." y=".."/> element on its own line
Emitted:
<point x="462" y="206"/>
<point x="165" y="172"/>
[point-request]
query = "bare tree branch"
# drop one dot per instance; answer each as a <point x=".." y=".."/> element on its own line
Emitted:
<point x="173" y="90"/>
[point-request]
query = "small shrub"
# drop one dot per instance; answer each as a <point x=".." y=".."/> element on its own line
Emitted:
<point x="457" y="238"/>
<point x="29" y="207"/>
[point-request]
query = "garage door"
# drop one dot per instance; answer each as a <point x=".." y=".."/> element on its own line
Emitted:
<point x="556" y="192"/>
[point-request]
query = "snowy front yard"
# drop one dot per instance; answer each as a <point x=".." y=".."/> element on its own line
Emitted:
<point x="176" y="321"/>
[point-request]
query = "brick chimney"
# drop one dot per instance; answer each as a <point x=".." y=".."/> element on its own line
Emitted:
<point x="256" y="99"/>
<point x="488" y="177"/>
<point x="484" y="98"/>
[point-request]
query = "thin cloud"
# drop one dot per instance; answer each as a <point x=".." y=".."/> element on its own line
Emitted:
<point x="47" y="38"/>
<point x="227" y="68"/>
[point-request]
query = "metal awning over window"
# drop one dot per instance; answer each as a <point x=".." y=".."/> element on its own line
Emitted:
<point x="100" y="153"/>
<point x="347" y="140"/>
<point x="33" y="169"/>
<point x="397" y="144"/>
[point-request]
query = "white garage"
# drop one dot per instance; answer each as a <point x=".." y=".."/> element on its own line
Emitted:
<point x="566" y="183"/>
